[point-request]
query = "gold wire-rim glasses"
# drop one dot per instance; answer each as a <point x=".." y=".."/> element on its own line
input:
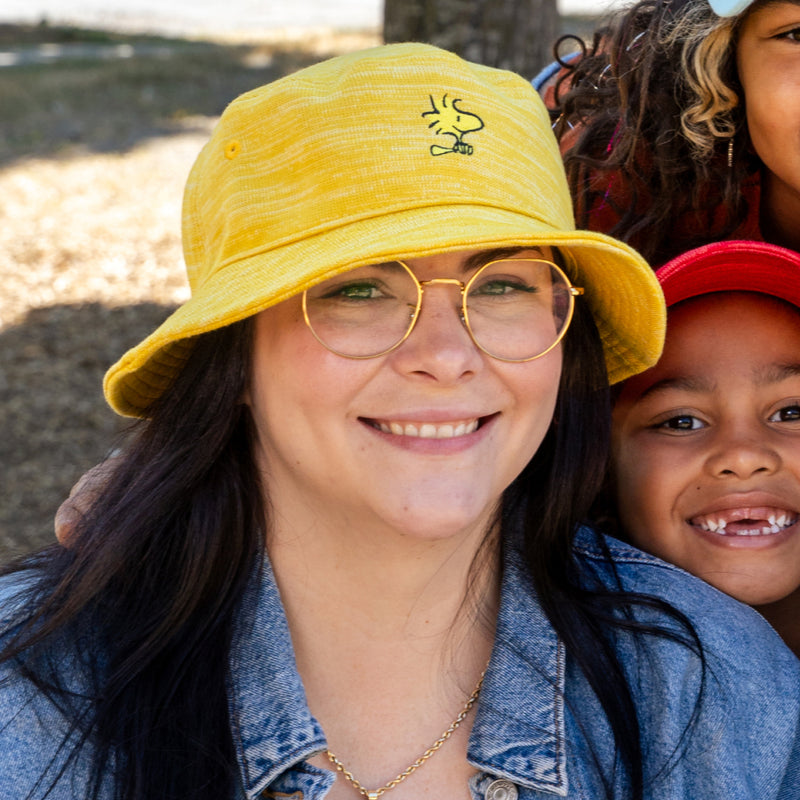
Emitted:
<point x="572" y="293"/>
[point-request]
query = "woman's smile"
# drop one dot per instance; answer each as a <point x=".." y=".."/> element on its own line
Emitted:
<point x="426" y="430"/>
<point x="446" y="438"/>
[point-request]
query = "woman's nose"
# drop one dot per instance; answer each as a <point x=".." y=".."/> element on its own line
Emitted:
<point x="439" y="344"/>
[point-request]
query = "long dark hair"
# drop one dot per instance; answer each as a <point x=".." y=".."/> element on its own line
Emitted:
<point x="646" y="115"/>
<point x="557" y="491"/>
<point x="146" y="596"/>
<point x="152" y="580"/>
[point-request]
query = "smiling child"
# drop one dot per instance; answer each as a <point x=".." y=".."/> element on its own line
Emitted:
<point x="706" y="444"/>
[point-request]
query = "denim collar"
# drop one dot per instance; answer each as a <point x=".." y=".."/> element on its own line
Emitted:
<point x="519" y="729"/>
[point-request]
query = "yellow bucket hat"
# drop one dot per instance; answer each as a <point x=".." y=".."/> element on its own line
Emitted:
<point x="396" y="152"/>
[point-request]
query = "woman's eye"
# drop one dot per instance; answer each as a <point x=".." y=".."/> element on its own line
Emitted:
<point x="504" y="287"/>
<point x="793" y="35"/>
<point x="355" y="291"/>
<point x="682" y="422"/>
<point x="787" y="414"/>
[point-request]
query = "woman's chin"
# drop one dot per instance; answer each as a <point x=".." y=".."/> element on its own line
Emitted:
<point x="441" y="521"/>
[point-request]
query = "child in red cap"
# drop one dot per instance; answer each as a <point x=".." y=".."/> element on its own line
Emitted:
<point x="706" y="444"/>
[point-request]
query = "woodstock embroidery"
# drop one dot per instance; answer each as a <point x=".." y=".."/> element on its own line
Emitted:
<point x="452" y="121"/>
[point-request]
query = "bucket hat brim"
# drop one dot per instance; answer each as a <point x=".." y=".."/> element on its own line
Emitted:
<point x="620" y="288"/>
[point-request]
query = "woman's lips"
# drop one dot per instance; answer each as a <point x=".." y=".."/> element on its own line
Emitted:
<point x="746" y="521"/>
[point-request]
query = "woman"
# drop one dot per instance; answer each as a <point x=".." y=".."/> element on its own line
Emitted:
<point x="680" y="125"/>
<point x="347" y="534"/>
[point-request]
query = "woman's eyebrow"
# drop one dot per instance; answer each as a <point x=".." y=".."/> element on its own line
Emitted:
<point x="477" y="260"/>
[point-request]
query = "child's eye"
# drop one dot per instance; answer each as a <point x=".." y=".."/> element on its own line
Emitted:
<point x="681" y="422"/>
<point x="793" y="35"/>
<point x="787" y="414"/>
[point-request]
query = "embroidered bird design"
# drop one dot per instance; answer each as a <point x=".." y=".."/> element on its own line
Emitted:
<point x="451" y="120"/>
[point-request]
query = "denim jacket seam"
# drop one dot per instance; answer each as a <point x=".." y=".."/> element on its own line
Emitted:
<point x="558" y="709"/>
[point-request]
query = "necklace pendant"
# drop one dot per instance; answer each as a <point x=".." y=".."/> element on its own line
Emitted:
<point x="373" y="795"/>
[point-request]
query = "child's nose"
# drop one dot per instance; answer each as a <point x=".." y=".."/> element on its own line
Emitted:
<point x="744" y="455"/>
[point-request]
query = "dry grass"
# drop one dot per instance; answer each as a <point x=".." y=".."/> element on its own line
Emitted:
<point x="93" y="157"/>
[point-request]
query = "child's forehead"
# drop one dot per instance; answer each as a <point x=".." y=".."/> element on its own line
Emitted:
<point x="721" y="339"/>
<point x="706" y="311"/>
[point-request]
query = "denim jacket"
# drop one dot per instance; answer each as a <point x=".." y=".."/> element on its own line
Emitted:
<point x="538" y="731"/>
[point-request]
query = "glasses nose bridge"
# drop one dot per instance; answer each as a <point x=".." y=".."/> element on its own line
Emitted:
<point x="423" y="285"/>
<point x="444" y="281"/>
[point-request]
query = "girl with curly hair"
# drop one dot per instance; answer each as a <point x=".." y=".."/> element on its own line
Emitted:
<point x="680" y="124"/>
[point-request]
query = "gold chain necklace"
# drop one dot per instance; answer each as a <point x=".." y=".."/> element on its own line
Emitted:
<point x="374" y="794"/>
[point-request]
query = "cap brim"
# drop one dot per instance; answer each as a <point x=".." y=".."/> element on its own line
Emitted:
<point x="731" y="266"/>
<point x="620" y="288"/>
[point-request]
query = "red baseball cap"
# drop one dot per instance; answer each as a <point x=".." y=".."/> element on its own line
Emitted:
<point x="735" y="265"/>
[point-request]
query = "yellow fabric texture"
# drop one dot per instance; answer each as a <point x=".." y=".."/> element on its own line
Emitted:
<point x="396" y="152"/>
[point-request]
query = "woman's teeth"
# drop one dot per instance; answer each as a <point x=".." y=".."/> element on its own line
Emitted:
<point x="427" y="430"/>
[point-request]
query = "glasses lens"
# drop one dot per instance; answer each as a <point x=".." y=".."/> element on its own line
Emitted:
<point x="363" y="312"/>
<point x="518" y="309"/>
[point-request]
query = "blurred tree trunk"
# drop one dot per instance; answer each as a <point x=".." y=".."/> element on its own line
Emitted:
<point x="512" y="34"/>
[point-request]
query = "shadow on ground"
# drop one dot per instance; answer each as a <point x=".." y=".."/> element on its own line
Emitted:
<point x="70" y="89"/>
<point x="66" y="90"/>
<point x="54" y="419"/>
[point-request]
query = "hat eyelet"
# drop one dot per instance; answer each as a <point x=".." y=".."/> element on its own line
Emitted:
<point x="232" y="149"/>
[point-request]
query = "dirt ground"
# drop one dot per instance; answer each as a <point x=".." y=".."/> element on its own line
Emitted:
<point x="93" y="158"/>
<point x="90" y="261"/>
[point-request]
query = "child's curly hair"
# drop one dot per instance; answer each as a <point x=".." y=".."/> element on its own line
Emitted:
<point x="655" y="100"/>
